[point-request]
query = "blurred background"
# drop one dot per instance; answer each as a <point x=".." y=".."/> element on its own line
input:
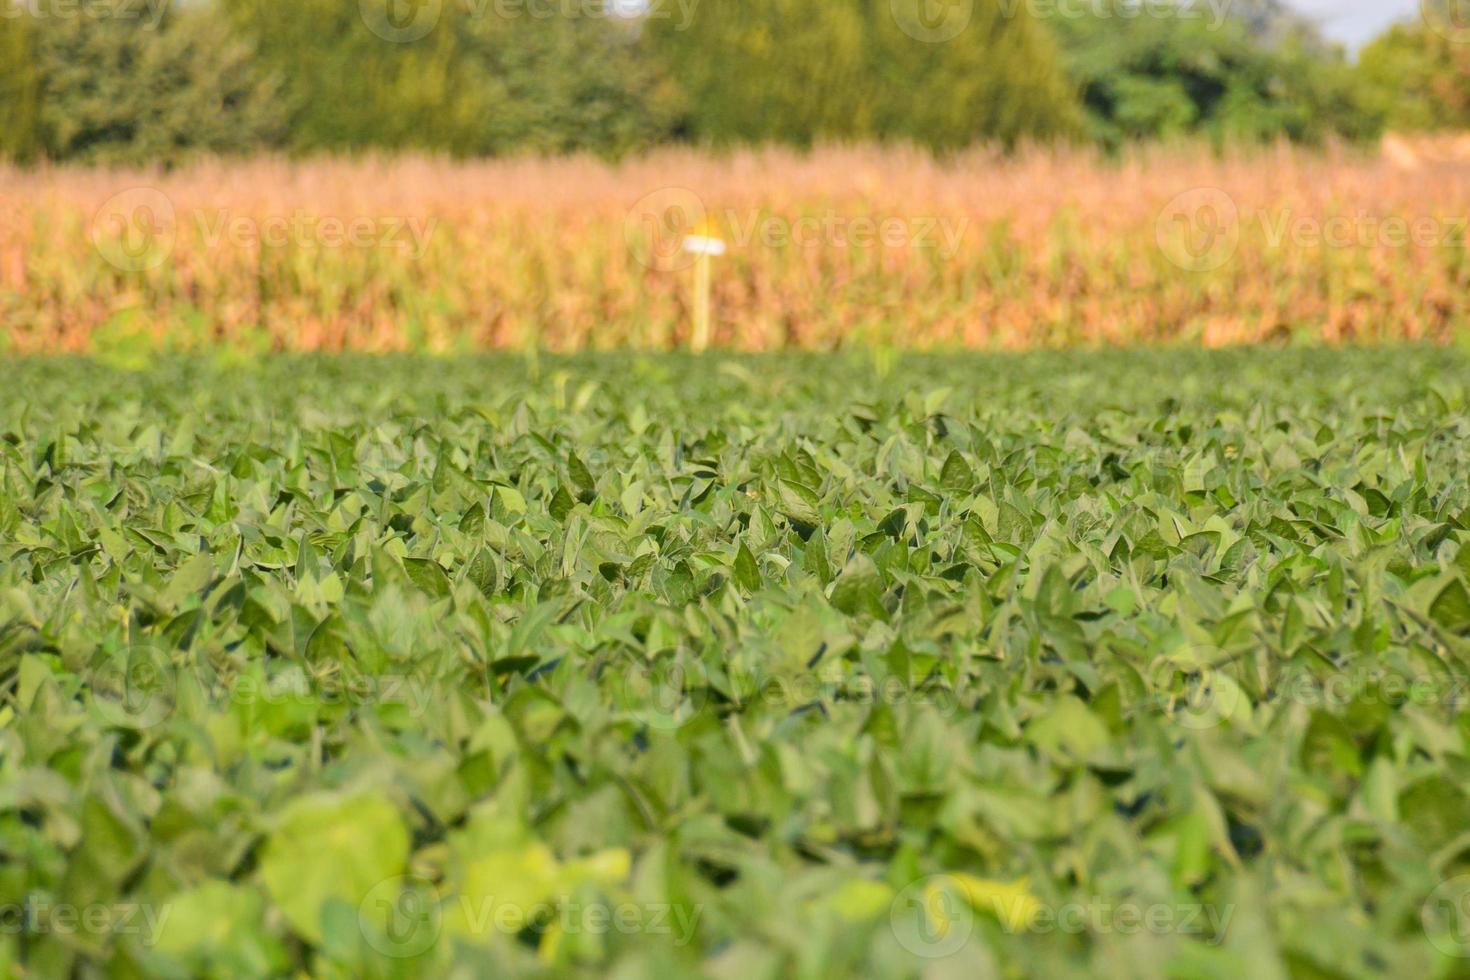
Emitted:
<point x="143" y="81"/>
<point x="453" y="175"/>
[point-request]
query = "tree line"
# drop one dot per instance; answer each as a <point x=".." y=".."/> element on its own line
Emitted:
<point x="131" y="81"/>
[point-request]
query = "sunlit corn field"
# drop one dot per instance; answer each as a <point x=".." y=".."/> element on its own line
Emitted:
<point x="827" y="249"/>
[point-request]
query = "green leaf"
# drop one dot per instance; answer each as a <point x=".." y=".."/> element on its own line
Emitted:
<point x="1451" y="608"/>
<point x="428" y="576"/>
<point x="581" y="477"/>
<point x="957" y="474"/>
<point x="859" y="589"/>
<point x="217" y="929"/>
<point x="747" y="572"/>
<point x="191" y="577"/>
<point x="330" y="845"/>
<point x="1435" y="810"/>
<point x="799" y="503"/>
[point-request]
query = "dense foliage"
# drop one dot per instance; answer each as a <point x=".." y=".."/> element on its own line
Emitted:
<point x="846" y="70"/>
<point x="1169" y="77"/>
<point x="493" y="78"/>
<point x="19" y="92"/>
<point x="117" y="83"/>
<point x="799" y="667"/>
<point x="472" y="85"/>
<point x="1419" y="78"/>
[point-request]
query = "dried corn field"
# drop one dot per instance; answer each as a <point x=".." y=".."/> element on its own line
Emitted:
<point x="832" y="248"/>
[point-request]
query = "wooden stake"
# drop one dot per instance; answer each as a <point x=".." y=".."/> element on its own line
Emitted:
<point x="699" y="342"/>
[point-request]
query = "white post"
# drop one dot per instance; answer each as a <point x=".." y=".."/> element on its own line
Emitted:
<point x="704" y="248"/>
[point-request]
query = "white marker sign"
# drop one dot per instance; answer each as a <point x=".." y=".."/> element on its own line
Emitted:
<point x="704" y="245"/>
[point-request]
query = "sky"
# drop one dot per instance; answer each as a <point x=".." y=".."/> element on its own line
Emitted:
<point x="1354" y="22"/>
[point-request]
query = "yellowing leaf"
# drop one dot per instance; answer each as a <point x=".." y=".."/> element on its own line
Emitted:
<point x="605" y="868"/>
<point x="503" y="891"/>
<point x="1011" y="903"/>
<point x="860" y="900"/>
<point x="327" y="846"/>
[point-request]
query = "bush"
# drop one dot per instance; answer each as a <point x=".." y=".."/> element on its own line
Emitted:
<point x="798" y="71"/>
<point x="106" y="85"/>
<point x="470" y="85"/>
<point x="1418" y="79"/>
<point x="20" y="86"/>
<point x="1250" y="79"/>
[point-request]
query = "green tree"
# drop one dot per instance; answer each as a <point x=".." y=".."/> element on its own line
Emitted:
<point x="561" y="86"/>
<point x="20" y="86"/>
<point x="461" y="80"/>
<point x="1418" y="79"/>
<point x="106" y="85"/>
<point x="799" y="71"/>
<point x="1261" y="75"/>
<point x="1001" y="78"/>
